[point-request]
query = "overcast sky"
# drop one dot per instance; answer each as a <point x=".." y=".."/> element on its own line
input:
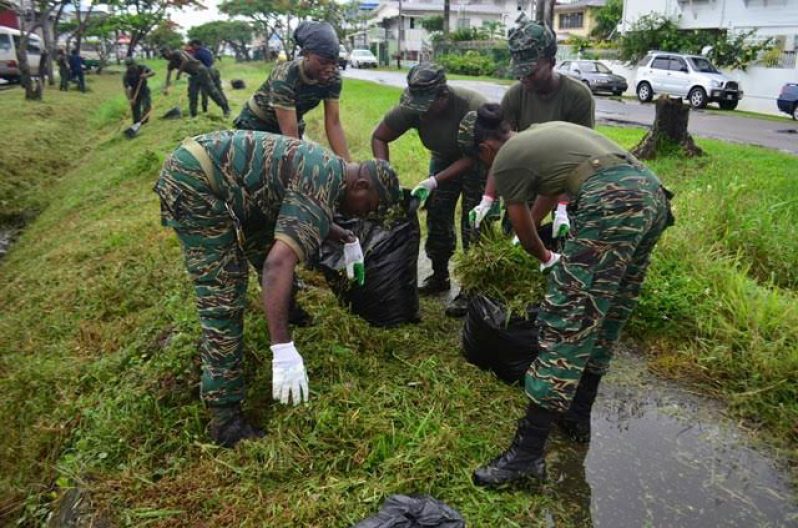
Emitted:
<point x="194" y="17"/>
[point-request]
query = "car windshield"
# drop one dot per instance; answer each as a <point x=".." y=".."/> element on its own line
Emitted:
<point x="703" y="65"/>
<point x="592" y="67"/>
<point x="5" y="43"/>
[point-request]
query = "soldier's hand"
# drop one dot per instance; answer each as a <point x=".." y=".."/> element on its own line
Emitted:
<point x="424" y="188"/>
<point x="561" y="225"/>
<point x="289" y="378"/>
<point x="553" y="259"/>
<point x="478" y="213"/>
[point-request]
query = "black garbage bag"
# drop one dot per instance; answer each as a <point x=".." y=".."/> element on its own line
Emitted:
<point x="389" y="296"/>
<point x="417" y="511"/>
<point x="492" y="341"/>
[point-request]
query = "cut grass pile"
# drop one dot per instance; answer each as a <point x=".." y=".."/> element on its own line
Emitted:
<point x="98" y="372"/>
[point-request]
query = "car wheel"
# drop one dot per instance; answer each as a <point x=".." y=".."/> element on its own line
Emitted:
<point x="617" y="93"/>
<point x="795" y="111"/>
<point x="644" y="92"/>
<point x="728" y="105"/>
<point x="697" y="97"/>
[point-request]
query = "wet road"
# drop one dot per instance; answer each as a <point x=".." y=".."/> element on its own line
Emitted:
<point x="779" y="135"/>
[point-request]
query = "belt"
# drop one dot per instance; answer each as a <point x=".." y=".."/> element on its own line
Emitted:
<point x="201" y="155"/>
<point x="257" y="110"/>
<point x="592" y="166"/>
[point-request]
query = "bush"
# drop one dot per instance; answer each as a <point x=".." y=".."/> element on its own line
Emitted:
<point x="470" y="63"/>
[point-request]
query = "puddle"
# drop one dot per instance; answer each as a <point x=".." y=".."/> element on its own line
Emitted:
<point x="662" y="457"/>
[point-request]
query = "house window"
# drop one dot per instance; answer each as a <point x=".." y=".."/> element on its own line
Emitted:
<point x="412" y="23"/>
<point x="571" y="20"/>
<point x="463" y="23"/>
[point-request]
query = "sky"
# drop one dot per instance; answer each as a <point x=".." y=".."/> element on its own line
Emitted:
<point x="194" y="17"/>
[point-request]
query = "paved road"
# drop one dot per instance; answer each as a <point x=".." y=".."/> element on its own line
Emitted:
<point x="779" y="135"/>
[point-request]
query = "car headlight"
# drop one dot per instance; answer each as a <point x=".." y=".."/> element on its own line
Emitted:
<point x="716" y="84"/>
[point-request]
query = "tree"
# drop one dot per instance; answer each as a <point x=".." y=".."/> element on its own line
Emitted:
<point x="607" y="19"/>
<point x="669" y="133"/>
<point x="432" y="23"/>
<point x="137" y="18"/>
<point x="235" y="33"/>
<point x="164" y="34"/>
<point x="32" y="14"/>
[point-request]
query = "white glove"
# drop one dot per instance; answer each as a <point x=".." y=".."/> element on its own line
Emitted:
<point x="515" y="241"/>
<point x="561" y="225"/>
<point x="289" y="379"/>
<point x="554" y="258"/>
<point x="478" y="213"/>
<point x="423" y="189"/>
<point x="355" y="265"/>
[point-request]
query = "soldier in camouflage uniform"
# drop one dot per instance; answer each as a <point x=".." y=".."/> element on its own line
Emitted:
<point x="541" y="95"/>
<point x="435" y="110"/>
<point x="182" y="61"/>
<point x="235" y="197"/>
<point x="204" y="55"/>
<point x="296" y="87"/>
<point x="63" y="70"/>
<point x="622" y="209"/>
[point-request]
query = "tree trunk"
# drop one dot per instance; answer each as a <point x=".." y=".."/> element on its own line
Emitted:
<point x="48" y="32"/>
<point x="446" y="14"/>
<point x="669" y="132"/>
<point x="33" y="86"/>
<point x="540" y="11"/>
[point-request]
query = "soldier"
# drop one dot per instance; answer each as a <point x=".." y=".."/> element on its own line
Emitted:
<point x="201" y="79"/>
<point x="238" y="196"/>
<point x="541" y="95"/>
<point x="76" y="69"/>
<point x="136" y="89"/>
<point x="296" y="87"/>
<point x="63" y="70"/>
<point x="593" y="285"/>
<point x="435" y="110"/>
<point x="204" y="55"/>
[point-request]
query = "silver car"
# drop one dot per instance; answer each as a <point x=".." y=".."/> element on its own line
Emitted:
<point x="595" y="75"/>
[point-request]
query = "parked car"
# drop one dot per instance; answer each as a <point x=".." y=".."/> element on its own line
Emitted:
<point x="596" y="76"/>
<point x="9" y="41"/>
<point x="689" y="76"/>
<point x="788" y="99"/>
<point x="362" y="58"/>
<point x="343" y="57"/>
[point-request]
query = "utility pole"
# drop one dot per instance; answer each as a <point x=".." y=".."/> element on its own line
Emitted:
<point x="400" y="36"/>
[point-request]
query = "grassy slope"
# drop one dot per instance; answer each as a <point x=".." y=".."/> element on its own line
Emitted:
<point x="97" y="363"/>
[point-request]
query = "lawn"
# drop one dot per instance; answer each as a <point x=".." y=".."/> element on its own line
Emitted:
<point x="98" y="368"/>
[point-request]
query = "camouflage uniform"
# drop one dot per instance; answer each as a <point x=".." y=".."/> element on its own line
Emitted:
<point x="287" y="87"/>
<point x="229" y="195"/>
<point x="199" y="81"/>
<point x="216" y="77"/>
<point x="622" y="210"/>
<point x="137" y="84"/>
<point x="63" y="72"/>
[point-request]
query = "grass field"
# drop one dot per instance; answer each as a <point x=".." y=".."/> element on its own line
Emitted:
<point x="98" y="368"/>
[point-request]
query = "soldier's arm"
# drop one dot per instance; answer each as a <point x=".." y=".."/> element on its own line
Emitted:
<point x="458" y="167"/>
<point x="380" y="138"/>
<point x="524" y="227"/>
<point x="334" y="129"/>
<point x="286" y="118"/>
<point x="543" y="205"/>
<point x="278" y="275"/>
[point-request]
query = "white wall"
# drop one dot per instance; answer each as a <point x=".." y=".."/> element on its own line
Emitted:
<point x="761" y="86"/>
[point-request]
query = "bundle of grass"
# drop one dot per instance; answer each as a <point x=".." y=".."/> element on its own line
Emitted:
<point x="504" y="272"/>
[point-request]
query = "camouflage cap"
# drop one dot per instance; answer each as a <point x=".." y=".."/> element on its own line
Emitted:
<point x="385" y="181"/>
<point x="528" y="41"/>
<point x="465" y="134"/>
<point x="424" y="81"/>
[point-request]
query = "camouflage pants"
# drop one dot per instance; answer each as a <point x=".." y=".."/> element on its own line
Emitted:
<point x="63" y="76"/>
<point x="247" y="120"/>
<point x="202" y="82"/>
<point x="218" y="267"/>
<point x="216" y="78"/>
<point x="621" y="213"/>
<point x="142" y="104"/>
<point x="441" y="236"/>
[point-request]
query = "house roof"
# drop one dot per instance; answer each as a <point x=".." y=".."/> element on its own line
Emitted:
<point x="580" y="4"/>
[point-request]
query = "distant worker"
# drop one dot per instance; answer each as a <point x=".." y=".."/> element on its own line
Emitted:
<point x="63" y="69"/>
<point x="435" y="109"/>
<point x="205" y="56"/>
<point x="239" y="196"/>
<point x="76" y="63"/>
<point x="136" y="89"/>
<point x="296" y="87"/>
<point x="593" y="285"/>
<point x="183" y="62"/>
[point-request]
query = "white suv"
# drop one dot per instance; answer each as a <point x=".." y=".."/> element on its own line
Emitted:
<point x="690" y="76"/>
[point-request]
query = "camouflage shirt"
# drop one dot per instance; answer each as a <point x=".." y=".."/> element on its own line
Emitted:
<point x="289" y="88"/>
<point x="183" y="61"/>
<point x="290" y="186"/>
<point x="571" y="102"/>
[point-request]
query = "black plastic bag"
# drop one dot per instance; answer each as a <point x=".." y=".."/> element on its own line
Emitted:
<point x="389" y="296"/>
<point x="493" y="342"/>
<point x="418" y="511"/>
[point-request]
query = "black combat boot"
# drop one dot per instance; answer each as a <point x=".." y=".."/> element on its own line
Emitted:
<point x="525" y="457"/>
<point x="228" y="426"/>
<point x="459" y="305"/>
<point x="576" y="422"/>
<point x="438" y="282"/>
